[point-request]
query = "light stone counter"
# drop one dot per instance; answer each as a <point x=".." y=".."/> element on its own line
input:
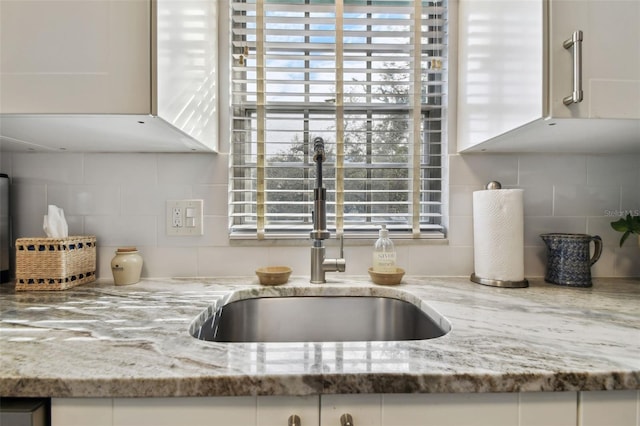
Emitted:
<point x="98" y="340"/>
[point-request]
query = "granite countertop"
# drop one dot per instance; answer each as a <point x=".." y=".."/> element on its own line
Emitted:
<point x="98" y="340"/>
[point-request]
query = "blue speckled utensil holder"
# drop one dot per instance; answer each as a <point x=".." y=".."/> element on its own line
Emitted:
<point x="568" y="258"/>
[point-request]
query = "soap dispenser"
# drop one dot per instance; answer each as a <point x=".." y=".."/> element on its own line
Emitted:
<point x="384" y="253"/>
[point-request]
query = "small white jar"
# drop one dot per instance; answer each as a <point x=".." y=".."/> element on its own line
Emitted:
<point x="126" y="266"/>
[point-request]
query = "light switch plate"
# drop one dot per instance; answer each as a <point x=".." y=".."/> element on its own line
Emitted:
<point x="184" y="217"/>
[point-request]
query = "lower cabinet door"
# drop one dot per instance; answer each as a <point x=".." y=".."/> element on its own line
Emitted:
<point x="81" y="412"/>
<point x="288" y="411"/>
<point x="469" y="409"/>
<point x="228" y="411"/>
<point x="619" y="408"/>
<point x="361" y="409"/>
<point x="480" y="409"/>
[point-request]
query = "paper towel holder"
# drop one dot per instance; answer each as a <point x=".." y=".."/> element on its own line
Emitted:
<point x="498" y="283"/>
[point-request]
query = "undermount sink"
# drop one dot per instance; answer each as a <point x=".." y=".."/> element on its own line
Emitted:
<point x="320" y="319"/>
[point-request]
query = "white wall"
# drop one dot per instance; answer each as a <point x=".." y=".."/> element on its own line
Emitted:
<point x="120" y="198"/>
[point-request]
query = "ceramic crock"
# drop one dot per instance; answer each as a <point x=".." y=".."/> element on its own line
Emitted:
<point x="126" y="266"/>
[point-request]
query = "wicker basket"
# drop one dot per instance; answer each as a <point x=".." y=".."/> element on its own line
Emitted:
<point x="55" y="263"/>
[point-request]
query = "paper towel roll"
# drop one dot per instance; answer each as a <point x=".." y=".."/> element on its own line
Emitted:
<point x="498" y="234"/>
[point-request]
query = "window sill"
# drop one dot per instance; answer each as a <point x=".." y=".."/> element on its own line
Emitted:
<point x="299" y="241"/>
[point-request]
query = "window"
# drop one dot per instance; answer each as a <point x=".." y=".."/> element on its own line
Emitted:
<point x="366" y="75"/>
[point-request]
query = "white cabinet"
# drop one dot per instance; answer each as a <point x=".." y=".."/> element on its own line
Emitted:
<point x="108" y="75"/>
<point x="231" y="411"/>
<point x="362" y="409"/>
<point x="469" y="409"/>
<point x="451" y="409"/>
<point x="204" y="411"/>
<point x="75" y="57"/>
<point x="515" y="72"/>
<point x="508" y="409"/>
<point x="548" y="409"/>
<point x="620" y="408"/>
<point x="81" y="411"/>
<point x="277" y="410"/>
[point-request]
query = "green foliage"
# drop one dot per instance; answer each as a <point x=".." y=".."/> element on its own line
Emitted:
<point x="629" y="225"/>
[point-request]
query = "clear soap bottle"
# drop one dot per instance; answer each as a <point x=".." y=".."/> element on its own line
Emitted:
<point x="384" y="253"/>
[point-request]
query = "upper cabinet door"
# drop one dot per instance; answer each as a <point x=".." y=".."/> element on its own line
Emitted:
<point x="185" y="67"/>
<point x="610" y="63"/>
<point x="501" y="67"/>
<point x="520" y="61"/>
<point x="108" y="75"/>
<point x="88" y="56"/>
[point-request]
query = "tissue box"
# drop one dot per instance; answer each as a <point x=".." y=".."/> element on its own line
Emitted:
<point x="55" y="263"/>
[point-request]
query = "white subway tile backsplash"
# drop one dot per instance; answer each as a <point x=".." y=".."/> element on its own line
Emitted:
<point x="460" y="261"/>
<point x="538" y="200"/>
<point x="296" y="260"/>
<point x="478" y="170"/>
<point x="535" y="259"/>
<point x="216" y="198"/>
<point x="85" y="199"/>
<point x="169" y="261"/>
<point x="583" y="200"/>
<point x="626" y="262"/>
<point x="601" y="226"/>
<point x="460" y="231"/>
<point x="612" y="170"/>
<point x="461" y="200"/>
<point x="439" y="260"/>
<point x="125" y="169"/>
<point x="629" y="200"/>
<point x="28" y="207"/>
<point x="546" y="169"/>
<point x="151" y="199"/>
<point x="192" y="168"/>
<point x="121" y="199"/>
<point x="536" y="225"/>
<point x="47" y="168"/>
<point x="216" y="229"/>
<point x="122" y="230"/>
<point x="231" y="261"/>
<point x="605" y="265"/>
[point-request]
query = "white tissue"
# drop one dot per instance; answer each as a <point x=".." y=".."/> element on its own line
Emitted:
<point x="55" y="225"/>
<point x="498" y="234"/>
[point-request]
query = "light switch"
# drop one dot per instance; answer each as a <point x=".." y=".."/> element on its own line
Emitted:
<point x="184" y="217"/>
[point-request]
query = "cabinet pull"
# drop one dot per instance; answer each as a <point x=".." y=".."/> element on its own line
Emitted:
<point x="576" y="42"/>
<point x="346" y="420"/>
<point x="294" y="421"/>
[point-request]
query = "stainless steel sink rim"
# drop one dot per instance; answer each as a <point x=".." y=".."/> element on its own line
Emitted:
<point x="341" y="317"/>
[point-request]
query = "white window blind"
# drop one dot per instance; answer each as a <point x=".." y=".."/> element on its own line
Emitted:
<point x="366" y="75"/>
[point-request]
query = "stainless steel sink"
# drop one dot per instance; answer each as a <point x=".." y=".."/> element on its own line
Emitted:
<point x="320" y="319"/>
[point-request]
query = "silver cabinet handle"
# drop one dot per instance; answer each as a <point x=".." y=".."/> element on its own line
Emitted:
<point x="576" y="42"/>
<point x="294" y="421"/>
<point x="346" y="420"/>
